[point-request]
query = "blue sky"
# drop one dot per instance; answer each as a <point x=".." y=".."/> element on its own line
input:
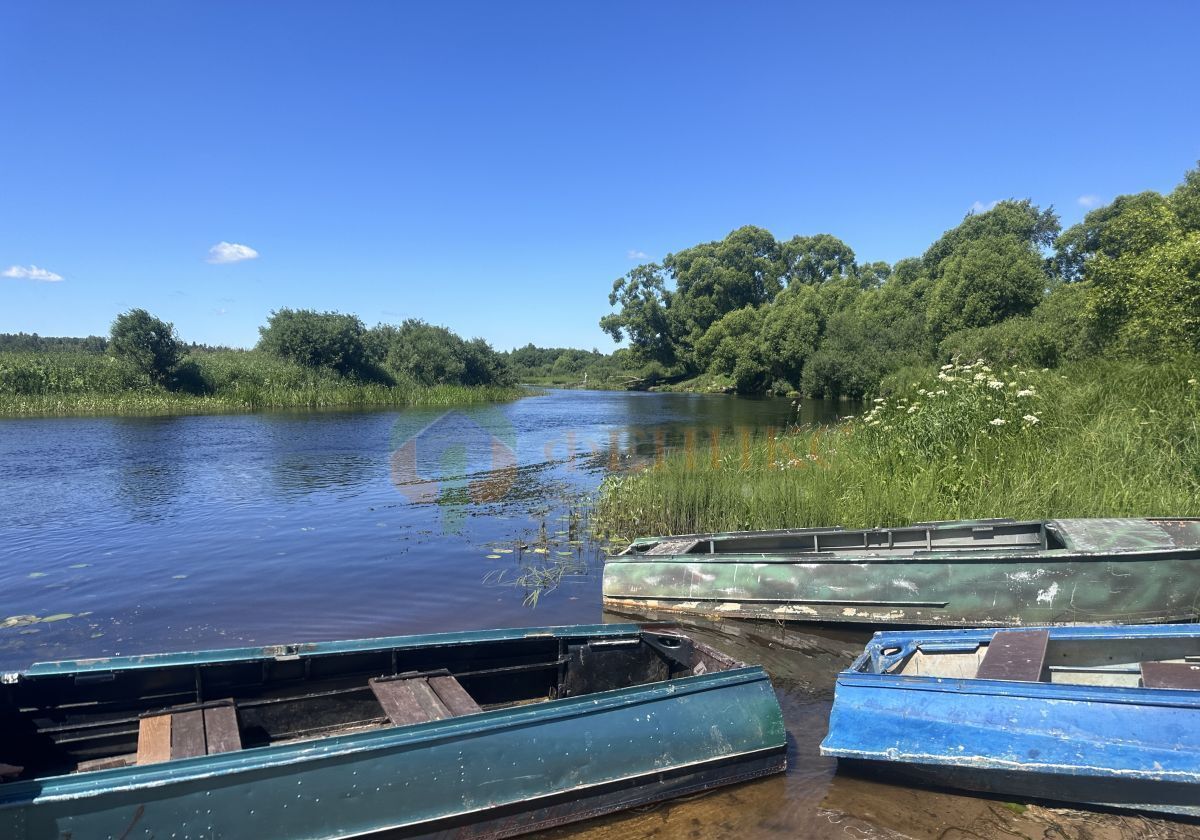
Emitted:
<point x="494" y="166"/>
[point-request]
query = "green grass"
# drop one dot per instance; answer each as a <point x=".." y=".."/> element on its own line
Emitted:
<point x="79" y="382"/>
<point x="1110" y="439"/>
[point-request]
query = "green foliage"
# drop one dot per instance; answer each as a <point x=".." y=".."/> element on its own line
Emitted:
<point x="1023" y="221"/>
<point x="644" y="301"/>
<point x="1111" y="439"/>
<point x="316" y="339"/>
<point x="77" y="382"/>
<point x="983" y="281"/>
<point x="147" y="343"/>
<point x="1058" y="331"/>
<point x="432" y="355"/>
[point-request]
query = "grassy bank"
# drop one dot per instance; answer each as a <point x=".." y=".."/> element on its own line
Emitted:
<point x="78" y="382"/>
<point x="1095" y="439"/>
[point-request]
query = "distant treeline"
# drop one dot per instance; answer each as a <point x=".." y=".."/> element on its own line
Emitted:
<point x="303" y="358"/>
<point x="1008" y="285"/>
<point x="568" y="366"/>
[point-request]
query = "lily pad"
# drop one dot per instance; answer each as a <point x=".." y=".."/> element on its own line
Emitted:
<point x="57" y="617"/>
<point x="493" y="557"/>
<point x="37" y="574"/>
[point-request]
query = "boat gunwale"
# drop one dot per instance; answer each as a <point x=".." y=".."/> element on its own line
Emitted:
<point x="301" y="650"/>
<point x="991" y="556"/>
<point x="1118" y="695"/>
<point x="83" y="785"/>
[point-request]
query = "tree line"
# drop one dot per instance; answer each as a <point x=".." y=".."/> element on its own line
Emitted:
<point x="413" y="352"/>
<point x="1008" y="284"/>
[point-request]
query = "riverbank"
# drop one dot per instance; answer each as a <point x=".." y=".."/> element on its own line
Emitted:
<point x="85" y="383"/>
<point x="1102" y="438"/>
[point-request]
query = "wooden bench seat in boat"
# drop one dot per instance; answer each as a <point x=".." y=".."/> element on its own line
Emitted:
<point x="204" y="729"/>
<point x="1015" y="655"/>
<point x="416" y="698"/>
<point x="1171" y="675"/>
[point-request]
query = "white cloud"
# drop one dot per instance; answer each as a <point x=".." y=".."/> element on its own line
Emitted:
<point x="32" y="272"/>
<point x="230" y="252"/>
<point x="1090" y="200"/>
<point x="635" y="254"/>
<point x="980" y="207"/>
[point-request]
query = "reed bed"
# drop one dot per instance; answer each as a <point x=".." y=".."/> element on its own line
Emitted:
<point x="1105" y="438"/>
<point x="76" y="382"/>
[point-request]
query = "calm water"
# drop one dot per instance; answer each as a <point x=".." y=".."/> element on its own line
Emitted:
<point x="129" y="535"/>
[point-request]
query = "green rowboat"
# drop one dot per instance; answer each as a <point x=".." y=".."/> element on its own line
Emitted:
<point x="978" y="573"/>
<point x="465" y="735"/>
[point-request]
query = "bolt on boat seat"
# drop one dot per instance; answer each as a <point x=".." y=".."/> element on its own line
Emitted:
<point x="1171" y="675"/>
<point x="186" y="731"/>
<point x="416" y="698"/>
<point x="1015" y="655"/>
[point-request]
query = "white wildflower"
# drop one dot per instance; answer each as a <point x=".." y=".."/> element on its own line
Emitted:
<point x="922" y="391"/>
<point x="986" y="369"/>
<point x="995" y="384"/>
<point x="1025" y="392"/>
<point x="940" y="392"/>
<point x="947" y="367"/>
<point x="945" y="378"/>
<point x="879" y="400"/>
<point x="999" y="421"/>
<point x="1191" y="381"/>
<point x="913" y="408"/>
<point x="980" y="377"/>
<point x="1030" y="419"/>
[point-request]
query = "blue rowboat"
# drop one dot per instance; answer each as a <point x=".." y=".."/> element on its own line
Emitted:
<point x="482" y="734"/>
<point x="1106" y="716"/>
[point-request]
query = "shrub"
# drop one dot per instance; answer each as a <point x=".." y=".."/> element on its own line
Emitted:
<point x="317" y="339"/>
<point x="148" y="343"/>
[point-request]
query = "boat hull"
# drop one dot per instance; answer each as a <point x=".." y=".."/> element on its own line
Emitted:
<point x="968" y="590"/>
<point x="1109" y="746"/>
<point x="497" y="773"/>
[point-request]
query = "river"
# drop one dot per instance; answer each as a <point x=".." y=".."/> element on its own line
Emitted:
<point x="137" y="534"/>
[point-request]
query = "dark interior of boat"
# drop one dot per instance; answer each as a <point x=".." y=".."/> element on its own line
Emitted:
<point x="1033" y="655"/>
<point x="986" y="535"/>
<point x="100" y="719"/>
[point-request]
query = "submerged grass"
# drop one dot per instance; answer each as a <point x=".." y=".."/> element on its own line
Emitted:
<point x="1105" y="438"/>
<point x="77" y="382"/>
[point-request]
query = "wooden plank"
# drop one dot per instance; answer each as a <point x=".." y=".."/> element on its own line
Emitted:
<point x="674" y="546"/>
<point x="1015" y="655"/>
<point x="106" y="763"/>
<point x="154" y="739"/>
<point x="187" y="734"/>
<point x="453" y="695"/>
<point x="1171" y="675"/>
<point x="221" y="732"/>
<point x="408" y="701"/>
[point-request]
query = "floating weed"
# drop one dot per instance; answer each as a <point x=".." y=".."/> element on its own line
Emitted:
<point x="494" y="556"/>
<point x="57" y="617"/>
<point x="37" y="574"/>
<point x="18" y="621"/>
<point x="79" y="565"/>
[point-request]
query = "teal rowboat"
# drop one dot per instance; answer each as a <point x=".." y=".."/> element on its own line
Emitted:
<point x="981" y="573"/>
<point x="482" y="734"/>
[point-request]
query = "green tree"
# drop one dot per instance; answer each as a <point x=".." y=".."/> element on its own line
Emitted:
<point x="643" y="302"/>
<point x="150" y="344"/>
<point x="816" y="259"/>
<point x="317" y="339"/>
<point x="1023" y="221"/>
<point x="984" y="281"/>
